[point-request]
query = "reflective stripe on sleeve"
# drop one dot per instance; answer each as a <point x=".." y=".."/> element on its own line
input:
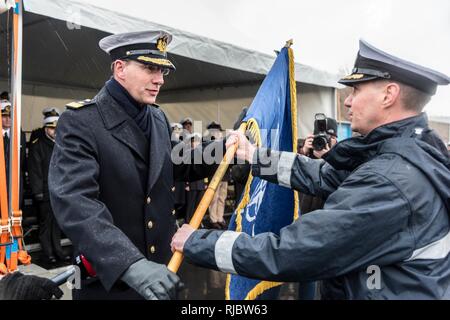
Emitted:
<point x="223" y="251"/>
<point x="435" y="250"/>
<point x="285" y="168"/>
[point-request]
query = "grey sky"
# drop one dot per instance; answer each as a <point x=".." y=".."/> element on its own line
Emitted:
<point x="325" y="32"/>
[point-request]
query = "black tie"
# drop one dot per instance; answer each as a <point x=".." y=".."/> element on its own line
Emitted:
<point x="6" y="145"/>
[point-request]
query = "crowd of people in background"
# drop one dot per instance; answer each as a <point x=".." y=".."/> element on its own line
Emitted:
<point x="37" y="151"/>
<point x="35" y="159"/>
<point x="189" y="194"/>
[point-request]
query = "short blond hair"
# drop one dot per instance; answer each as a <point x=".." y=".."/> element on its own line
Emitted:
<point x="411" y="98"/>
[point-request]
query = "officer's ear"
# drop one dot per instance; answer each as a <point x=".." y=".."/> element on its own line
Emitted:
<point x="118" y="67"/>
<point x="391" y="93"/>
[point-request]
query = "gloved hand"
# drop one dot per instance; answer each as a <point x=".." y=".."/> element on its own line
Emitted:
<point x="17" y="286"/>
<point x="152" y="280"/>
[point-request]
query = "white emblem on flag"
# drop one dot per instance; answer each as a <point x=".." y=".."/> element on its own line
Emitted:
<point x="252" y="209"/>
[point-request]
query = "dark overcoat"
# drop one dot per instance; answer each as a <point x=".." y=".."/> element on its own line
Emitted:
<point x="39" y="157"/>
<point x="111" y="190"/>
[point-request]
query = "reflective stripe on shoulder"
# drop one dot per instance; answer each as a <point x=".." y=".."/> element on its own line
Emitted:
<point x="223" y="251"/>
<point x="435" y="250"/>
<point x="285" y="164"/>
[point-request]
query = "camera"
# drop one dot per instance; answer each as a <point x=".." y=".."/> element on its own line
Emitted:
<point x="322" y="127"/>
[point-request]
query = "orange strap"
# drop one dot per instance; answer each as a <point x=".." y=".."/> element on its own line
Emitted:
<point x="4" y="241"/>
<point x="5" y="230"/>
<point x="11" y="225"/>
<point x="16" y="216"/>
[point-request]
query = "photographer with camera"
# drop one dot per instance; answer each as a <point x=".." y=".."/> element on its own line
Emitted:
<point x="315" y="146"/>
<point x="323" y="138"/>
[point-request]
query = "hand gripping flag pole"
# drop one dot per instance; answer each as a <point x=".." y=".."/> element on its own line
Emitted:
<point x="266" y="207"/>
<point x="197" y="218"/>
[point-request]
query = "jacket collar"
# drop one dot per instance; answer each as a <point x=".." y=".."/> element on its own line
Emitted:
<point x="159" y="153"/>
<point x="127" y="131"/>
<point x="111" y="113"/>
<point x="351" y="153"/>
<point x="122" y="126"/>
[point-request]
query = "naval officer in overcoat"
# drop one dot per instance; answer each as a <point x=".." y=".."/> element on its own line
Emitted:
<point x="111" y="176"/>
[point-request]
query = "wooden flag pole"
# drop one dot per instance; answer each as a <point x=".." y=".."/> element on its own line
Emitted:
<point x="196" y="220"/>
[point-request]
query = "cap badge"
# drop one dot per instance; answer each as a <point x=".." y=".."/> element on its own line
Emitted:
<point x="161" y="44"/>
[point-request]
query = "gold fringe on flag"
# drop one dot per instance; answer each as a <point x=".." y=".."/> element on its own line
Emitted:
<point x="293" y="90"/>
<point x="253" y="128"/>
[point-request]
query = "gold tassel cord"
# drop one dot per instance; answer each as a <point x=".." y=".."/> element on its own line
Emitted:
<point x="253" y="128"/>
<point x="293" y="91"/>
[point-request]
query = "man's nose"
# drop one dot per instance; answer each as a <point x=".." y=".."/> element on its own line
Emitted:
<point x="159" y="78"/>
<point x="348" y="101"/>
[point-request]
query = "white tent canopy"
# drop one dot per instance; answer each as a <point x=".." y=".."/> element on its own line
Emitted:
<point x="213" y="81"/>
<point x="185" y="44"/>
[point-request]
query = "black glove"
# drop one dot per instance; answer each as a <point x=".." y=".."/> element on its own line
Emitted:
<point x="17" y="286"/>
<point x="152" y="280"/>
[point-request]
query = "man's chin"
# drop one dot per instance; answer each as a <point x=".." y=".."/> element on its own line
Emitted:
<point x="354" y="128"/>
<point x="149" y="101"/>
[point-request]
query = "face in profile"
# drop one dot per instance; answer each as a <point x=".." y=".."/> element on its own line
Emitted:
<point x="51" y="132"/>
<point x="363" y="106"/>
<point x="142" y="81"/>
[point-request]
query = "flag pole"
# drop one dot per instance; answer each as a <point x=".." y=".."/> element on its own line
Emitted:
<point x="197" y="218"/>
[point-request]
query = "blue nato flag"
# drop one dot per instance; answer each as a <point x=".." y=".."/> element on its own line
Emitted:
<point x="267" y="207"/>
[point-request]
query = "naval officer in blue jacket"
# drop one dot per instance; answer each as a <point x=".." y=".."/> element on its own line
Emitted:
<point x="384" y="231"/>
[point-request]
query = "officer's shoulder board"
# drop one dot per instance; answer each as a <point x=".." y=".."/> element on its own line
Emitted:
<point x="79" y="104"/>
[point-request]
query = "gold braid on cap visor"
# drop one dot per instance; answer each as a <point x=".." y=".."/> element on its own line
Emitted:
<point x="163" y="62"/>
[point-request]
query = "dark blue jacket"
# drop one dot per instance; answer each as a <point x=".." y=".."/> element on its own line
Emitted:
<point x="384" y="231"/>
<point x="112" y="189"/>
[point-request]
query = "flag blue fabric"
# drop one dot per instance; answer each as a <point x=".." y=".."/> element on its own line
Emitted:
<point x="266" y="207"/>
